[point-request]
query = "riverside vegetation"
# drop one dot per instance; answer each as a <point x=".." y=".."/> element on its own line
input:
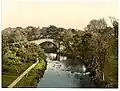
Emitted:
<point x="16" y="59"/>
<point x="96" y="46"/>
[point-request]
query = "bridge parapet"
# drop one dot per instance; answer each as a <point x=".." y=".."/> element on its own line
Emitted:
<point x="42" y="41"/>
<point x="38" y="42"/>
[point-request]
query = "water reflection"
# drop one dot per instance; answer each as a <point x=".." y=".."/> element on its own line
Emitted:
<point x="58" y="74"/>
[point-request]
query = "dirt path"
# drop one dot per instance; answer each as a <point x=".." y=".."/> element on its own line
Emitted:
<point x="22" y="75"/>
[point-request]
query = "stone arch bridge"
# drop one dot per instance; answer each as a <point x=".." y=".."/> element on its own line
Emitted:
<point x="38" y="42"/>
<point x="47" y="44"/>
<point x="43" y="43"/>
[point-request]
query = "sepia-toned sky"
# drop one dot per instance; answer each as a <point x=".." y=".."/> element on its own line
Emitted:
<point x="76" y="15"/>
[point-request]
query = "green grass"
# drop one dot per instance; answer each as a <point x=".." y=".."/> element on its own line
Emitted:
<point x="30" y="80"/>
<point x="21" y="67"/>
<point x="9" y="76"/>
<point x="40" y="65"/>
<point x="32" y="77"/>
<point x="26" y="82"/>
<point x="8" y="79"/>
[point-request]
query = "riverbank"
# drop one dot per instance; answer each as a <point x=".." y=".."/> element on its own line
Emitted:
<point x="30" y="80"/>
<point x="59" y="74"/>
<point x="16" y="59"/>
<point x="10" y="73"/>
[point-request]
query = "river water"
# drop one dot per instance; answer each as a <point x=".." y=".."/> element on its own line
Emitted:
<point x="60" y="74"/>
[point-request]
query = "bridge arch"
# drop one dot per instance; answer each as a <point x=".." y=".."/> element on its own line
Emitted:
<point x="38" y="42"/>
<point x="46" y="44"/>
<point x="49" y="47"/>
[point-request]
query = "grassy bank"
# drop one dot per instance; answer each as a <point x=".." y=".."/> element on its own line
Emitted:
<point x="16" y="59"/>
<point x="11" y="74"/>
<point x="32" y="78"/>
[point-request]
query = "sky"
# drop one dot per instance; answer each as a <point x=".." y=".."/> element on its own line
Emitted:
<point x="36" y="13"/>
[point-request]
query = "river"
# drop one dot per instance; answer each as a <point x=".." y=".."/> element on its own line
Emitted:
<point x="60" y="74"/>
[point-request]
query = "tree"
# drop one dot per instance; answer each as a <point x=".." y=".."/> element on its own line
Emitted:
<point x="10" y="59"/>
<point x="33" y="33"/>
<point x="103" y="42"/>
<point x="96" y="26"/>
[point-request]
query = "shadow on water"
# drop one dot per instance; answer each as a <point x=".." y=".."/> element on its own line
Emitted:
<point x="60" y="74"/>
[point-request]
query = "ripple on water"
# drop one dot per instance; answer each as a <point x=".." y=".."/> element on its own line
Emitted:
<point x="58" y="75"/>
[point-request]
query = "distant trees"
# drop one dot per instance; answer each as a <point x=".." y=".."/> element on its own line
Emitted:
<point x="96" y="26"/>
<point x="50" y="32"/>
<point x="33" y="33"/>
<point x="19" y="34"/>
<point x="96" y="46"/>
<point x="13" y="35"/>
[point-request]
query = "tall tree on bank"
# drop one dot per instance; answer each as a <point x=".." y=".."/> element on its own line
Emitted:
<point x="103" y="42"/>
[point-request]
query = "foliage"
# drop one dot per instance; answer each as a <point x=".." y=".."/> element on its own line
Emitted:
<point x="17" y="54"/>
<point x="96" y="46"/>
<point x="104" y="42"/>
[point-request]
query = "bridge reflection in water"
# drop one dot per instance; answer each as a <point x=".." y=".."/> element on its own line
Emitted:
<point x="59" y="75"/>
